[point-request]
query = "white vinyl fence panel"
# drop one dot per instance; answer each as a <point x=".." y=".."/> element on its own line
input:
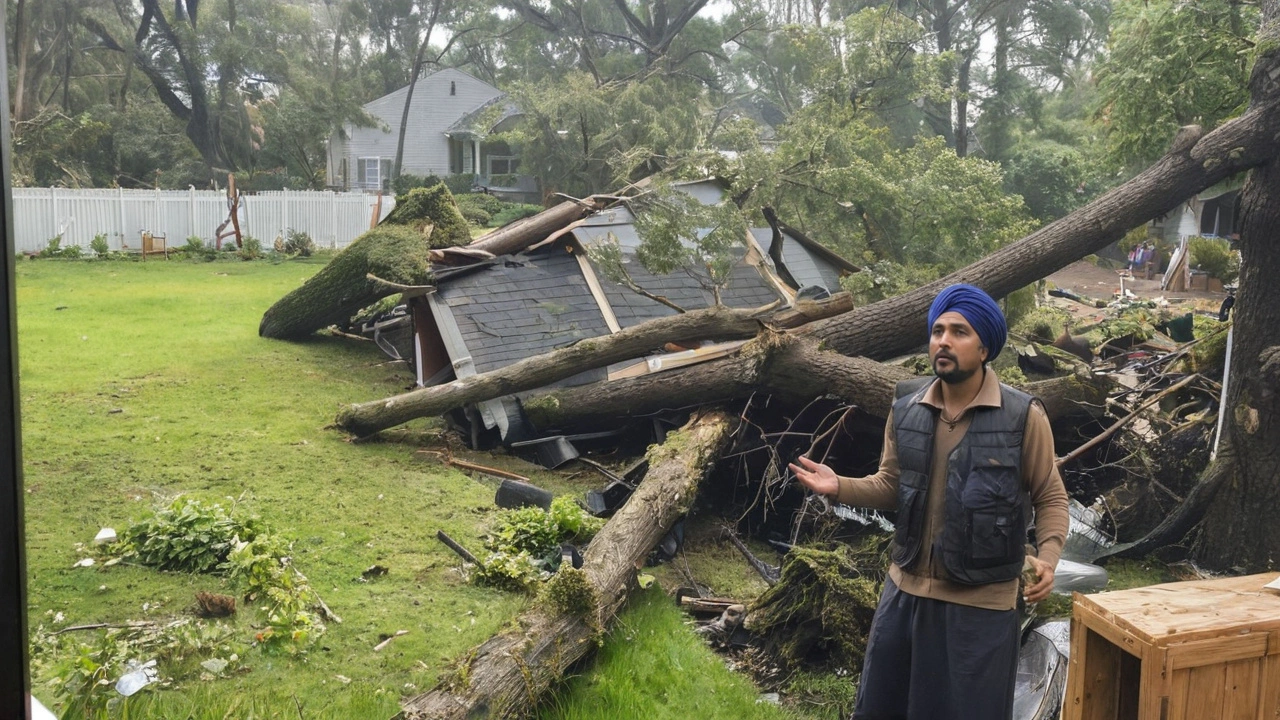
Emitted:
<point x="332" y="219"/>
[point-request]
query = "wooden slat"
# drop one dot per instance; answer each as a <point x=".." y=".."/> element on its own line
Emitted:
<point x="1178" y="695"/>
<point x="1101" y="689"/>
<point x="1269" y="689"/>
<point x="1241" y="690"/>
<point x="1185" y="611"/>
<point x="1073" y="705"/>
<point x="1155" y="688"/>
<point x="1218" y="650"/>
<point x="1206" y="690"/>
<point x="1108" y="628"/>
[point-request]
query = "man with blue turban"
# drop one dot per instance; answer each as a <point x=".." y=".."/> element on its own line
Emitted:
<point x="966" y="460"/>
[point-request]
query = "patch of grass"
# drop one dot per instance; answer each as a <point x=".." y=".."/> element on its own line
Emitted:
<point x="1126" y="574"/>
<point x="145" y="381"/>
<point x="652" y="667"/>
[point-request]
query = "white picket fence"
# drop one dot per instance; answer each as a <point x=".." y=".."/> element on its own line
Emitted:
<point x="332" y="219"/>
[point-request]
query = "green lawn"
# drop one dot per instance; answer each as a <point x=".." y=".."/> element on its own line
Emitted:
<point x="144" y="381"/>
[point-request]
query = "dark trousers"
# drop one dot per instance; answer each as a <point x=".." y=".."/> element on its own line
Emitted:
<point x="933" y="660"/>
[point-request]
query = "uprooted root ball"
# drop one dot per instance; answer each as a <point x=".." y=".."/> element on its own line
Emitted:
<point x="821" y="609"/>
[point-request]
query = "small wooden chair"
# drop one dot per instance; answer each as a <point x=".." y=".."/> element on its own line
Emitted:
<point x="154" y="244"/>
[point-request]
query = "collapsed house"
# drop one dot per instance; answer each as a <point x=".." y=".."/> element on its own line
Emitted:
<point x="483" y="314"/>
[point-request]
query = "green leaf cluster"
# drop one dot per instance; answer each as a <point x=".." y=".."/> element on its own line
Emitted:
<point x="188" y="536"/>
<point x="524" y="543"/>
<point x="1215" y="256"/>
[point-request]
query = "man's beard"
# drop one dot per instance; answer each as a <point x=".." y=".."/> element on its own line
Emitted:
<point x="955" y="375"/>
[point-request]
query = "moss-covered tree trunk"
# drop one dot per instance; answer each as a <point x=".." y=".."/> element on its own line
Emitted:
<point x="342" y="288"/>
<point x="506" y="676"/>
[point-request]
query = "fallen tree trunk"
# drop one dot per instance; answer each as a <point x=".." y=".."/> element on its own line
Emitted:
<point x="718" y="323"/>
<point x="524" y="232"/>
<point x="505" y="676"/>
<point x="1193" y="164"/>
<point x="790" y="367"/>
<point x="876" y="331"/>
<point x="342" y="288"/>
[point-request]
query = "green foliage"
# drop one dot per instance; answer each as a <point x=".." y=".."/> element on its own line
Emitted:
<point x="188" y="536"/>
<point x="822" y="606"/>
<point x="822" y="696"/>
<point x="52" y="248"/>
<point x="570" y="592"/>
<point x="461" y="183"/>
<point x="513" y="212"/>
<point x="99" y="245"/>
<point x="82" y="673"/>
<point x="524" y="543"/>
<point x="886" y="278"/>
<point x="474" y="215"/>
<point x="1044" y="324"/>
<point x="250" y="248"/>
<point x="1172" y="63"/>
<point x="678" y="232"/>
<point x="1215" y="256"/>
<point x="408" y="181"/>
<point x="433" y="206"/>
<point x="652" y="666"/>
<point x="1051" y="178"/>
<point x="298" y="243"/>
<point x="573" y="522"/>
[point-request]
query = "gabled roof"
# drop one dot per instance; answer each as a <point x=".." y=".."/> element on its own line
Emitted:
<point x="395" y="99"/>
<point x="466" y="123"/>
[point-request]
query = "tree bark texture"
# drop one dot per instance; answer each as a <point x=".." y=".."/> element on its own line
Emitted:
<point x="1240" y="527"/>
<point x="524" y="232"/>
<point x="342" y="288"/>
<point x="790" y="367"/>
<point x="505" y="676"/>
<point x="716" y="323"/>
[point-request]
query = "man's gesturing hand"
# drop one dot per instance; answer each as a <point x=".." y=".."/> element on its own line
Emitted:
<point x="1039" y="590"/>
<point x="816" y="476"/>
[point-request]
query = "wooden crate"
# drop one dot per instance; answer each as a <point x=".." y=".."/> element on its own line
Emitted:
<point x="1200" y="650"/>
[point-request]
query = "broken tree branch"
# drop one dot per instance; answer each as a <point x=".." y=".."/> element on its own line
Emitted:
<point x="454" y="546"/>
<point x="504" y="677"/>
<point x="1101" y="437"/>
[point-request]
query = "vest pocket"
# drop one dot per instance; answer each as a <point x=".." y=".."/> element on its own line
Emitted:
<point x="909" y="524"/>
<point x="994" y="536"/>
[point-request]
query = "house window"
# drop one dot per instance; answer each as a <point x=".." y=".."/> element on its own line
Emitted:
<point x="373" y="172"/>
<point x="453" y="88"/>
<point x="503" y="165"/>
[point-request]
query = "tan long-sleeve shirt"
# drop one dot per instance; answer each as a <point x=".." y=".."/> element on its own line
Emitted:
<point x="1039" y="476"/>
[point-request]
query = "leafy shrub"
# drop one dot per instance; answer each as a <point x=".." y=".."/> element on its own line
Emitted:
<point x="514" y="212"/>
<point x="250" y="248"/>
<point x="71" y="252"/>
<point x="483" y="201"/>
<point x="1215" y="256"/>
<point x="99" y="245"/>
<point x="461" y="183"/>
<point x="298" y="243"/>
<point x="52" y="249"/>
<point x="188" y="535"/>
<point x="194" y="246"/>
<point x="474" y="215"/>
<point x="408" y="181"/>
<point x="194" y="537"/>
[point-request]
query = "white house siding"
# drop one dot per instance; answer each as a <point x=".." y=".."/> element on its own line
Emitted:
<point x="426" y="149"/>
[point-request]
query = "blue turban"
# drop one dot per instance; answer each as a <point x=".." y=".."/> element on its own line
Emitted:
<point x="979" y="309"/>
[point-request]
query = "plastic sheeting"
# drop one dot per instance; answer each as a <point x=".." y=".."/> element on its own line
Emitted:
<point x="1042" y="672"/>
<point x="1071" y="576"/>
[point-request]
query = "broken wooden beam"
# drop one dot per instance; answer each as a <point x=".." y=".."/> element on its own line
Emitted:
<point x="457" y="548"/>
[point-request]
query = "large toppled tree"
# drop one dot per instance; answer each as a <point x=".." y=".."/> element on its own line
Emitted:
<point x="840" y="352"/>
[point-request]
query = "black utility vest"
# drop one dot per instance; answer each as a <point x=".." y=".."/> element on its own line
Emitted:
<point x="984" y="532"/>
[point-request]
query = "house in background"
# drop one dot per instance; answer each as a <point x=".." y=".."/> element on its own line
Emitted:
<point x="450" y="120"/>
<point x="486" y="314"/>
